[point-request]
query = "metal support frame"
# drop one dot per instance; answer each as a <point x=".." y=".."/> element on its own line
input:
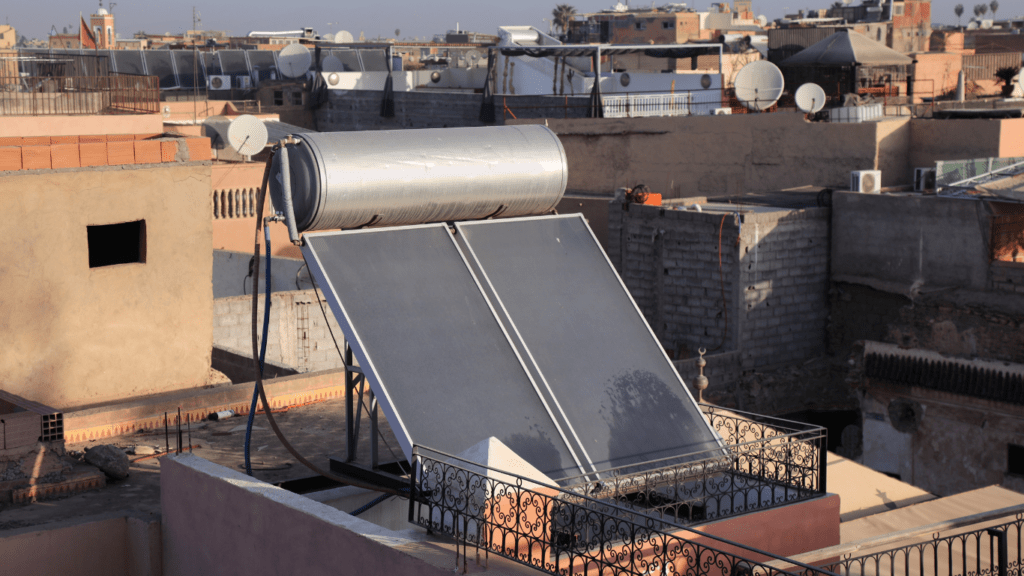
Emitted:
<point x="353" y="415"/>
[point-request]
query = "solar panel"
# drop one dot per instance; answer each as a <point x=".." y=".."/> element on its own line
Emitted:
<point x="349" y="58"/>
<point x="159" y="64"/>
<point x="128" y="61"/>
<point x="190" y="68"/>
<point x="263" y="64"/>
<point x="602" y="364"/>
<point x="431" y="346"/>
<point x="233" y="62"/>
<point x="374" y="60"/>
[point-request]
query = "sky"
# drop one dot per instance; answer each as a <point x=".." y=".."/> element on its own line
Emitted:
<point x="412" y="18"/>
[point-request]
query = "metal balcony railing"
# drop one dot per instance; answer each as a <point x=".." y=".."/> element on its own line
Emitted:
<point x="78" y="95"/>
<point x="989" y="551"/>
<point x="627" y="521"/>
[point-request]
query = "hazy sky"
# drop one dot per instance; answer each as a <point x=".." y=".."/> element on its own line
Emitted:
<point x="412" y="17"/>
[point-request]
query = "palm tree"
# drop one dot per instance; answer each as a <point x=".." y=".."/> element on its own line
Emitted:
<point x="562" y="14"/>
<point x="994" y="5"/>
<point x="977" y="10"/>
<point x="959" y="11"/>
<point x="983" y="8"/>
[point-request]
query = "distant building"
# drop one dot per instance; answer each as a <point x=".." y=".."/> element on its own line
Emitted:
<point x="99" y="33"/>
<point x="669" y="24"/>
<point x="8" y="36"/>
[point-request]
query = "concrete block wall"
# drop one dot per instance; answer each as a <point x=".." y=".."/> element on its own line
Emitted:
<point x="773" y="274"/>
<point x="784" y="278"/>
<point x="298" y="335"/>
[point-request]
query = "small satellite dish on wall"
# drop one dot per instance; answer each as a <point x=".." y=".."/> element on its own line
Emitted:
<point x="332" y="64"/>
<point x="247" y="135"/>
<point x="294" y="60"/>
<point x="810" y="98"/>
<point x="343" y="37"/>
<point x="759" y="85"/>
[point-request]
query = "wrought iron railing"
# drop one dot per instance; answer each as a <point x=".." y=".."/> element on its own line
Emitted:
<point x="75" y="95"/>
<point x="989" y="551"/>
<point x="561" y="532"/>
<point x="764" y="462"/>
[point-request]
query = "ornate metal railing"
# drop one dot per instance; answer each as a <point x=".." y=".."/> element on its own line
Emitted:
<point x="764" y="462"/>
<point x="990" y="551"/>
<point x="561" y="532"/>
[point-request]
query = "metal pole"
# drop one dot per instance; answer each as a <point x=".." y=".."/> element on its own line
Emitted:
<point x="823" y="463"/>
<point x="350" y="432"/>
<point x="374" y="434"/>
<point x="1000" y="536"/>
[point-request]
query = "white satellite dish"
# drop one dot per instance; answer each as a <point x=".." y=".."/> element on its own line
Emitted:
<point x="328" y="37"/>
<point x="972" y="25"/>
<point x="762" y="20"/>
<point x="331" y="64"/>
<point x="247" y="135"/>
<point x="294" y="60"/>
<point x="343" y="37"/>
<point x="810" y="98"/>
<point x="759" y="85"/>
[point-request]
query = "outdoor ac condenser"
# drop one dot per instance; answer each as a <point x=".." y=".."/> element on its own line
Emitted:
<point x="866" y="181"/>
<point x="220" y="83"/>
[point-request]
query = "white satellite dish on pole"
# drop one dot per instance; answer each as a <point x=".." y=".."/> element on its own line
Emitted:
<point x="247" y="135"/>
<point x="810" y="98"/>
<point x="294" y="60"/>
<point x="759" y="85"/>
<point x="343" y="37"/>
<point x="331" y="64"/>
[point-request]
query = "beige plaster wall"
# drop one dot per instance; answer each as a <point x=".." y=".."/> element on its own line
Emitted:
<point x="1011" y="137"/>
<point x="74" y="335"/>
<point x="99" y="546"/>
<point x="81" y="125"/>
<point x="894" y="152"/>
<point x="932" y="140"/>
<point x="713" y="155"/>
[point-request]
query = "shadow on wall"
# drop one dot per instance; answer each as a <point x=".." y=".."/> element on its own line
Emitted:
<point x="232" y="275"/>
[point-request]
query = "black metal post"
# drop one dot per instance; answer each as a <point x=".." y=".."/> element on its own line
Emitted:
<point x="374" y="433"/>
<point x="823" y="463"/>
<point x="167" y="434"/>
<point x="1000" y="536"/>
<point x="350" y="431"/>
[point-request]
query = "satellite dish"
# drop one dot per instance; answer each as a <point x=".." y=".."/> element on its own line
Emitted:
<point x="294" y="61"/>
<point x="331" y="64"/>
<point x="328" y="37"/>
<point x="1020" y="78"/>
<point x="810" y="98"/>
<point x="343" y="37"/>
<point x="972" y="25"/>
<point x="762" y="20"/>
<point x="247" y="135"/>
<point x="473" y="55"/>
<point x="759" y="85"/>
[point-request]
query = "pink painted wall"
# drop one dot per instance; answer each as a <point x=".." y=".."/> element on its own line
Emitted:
<point x="219" y="521"/>
<point x="81" y="125"/>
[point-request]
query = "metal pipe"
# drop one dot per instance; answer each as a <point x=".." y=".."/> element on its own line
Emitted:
<point x="286" y="194"/>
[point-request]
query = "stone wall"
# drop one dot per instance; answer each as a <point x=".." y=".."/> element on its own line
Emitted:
<point x="298" y="338"/>
<point x="1007" y="277"/>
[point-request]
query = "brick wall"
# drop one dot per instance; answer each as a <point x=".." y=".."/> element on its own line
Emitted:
<point x="767" y="300"/>
<point x="46" y="152"/>
<point x="298" y="336"/>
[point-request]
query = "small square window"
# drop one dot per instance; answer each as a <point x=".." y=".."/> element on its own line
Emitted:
<point x="113" y="244"/>
<point x="641" y="26"/>
<point x="668" y="24"/>
<point x="1015" y="459"/>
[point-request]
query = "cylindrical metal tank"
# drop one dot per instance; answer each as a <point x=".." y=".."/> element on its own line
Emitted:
<point x="388" y="178"/>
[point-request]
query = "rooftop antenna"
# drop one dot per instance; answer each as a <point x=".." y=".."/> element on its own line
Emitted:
<point x="294" y="60"/>
<point x="759" y="85"/>
<point x="810" y="98"/>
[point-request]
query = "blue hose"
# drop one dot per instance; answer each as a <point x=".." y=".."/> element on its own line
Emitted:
<point x="263" y="352"/>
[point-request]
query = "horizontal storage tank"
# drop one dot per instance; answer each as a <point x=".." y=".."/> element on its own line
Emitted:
<point x="344" y="180"/>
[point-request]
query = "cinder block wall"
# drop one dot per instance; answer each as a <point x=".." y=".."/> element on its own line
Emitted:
<point x="298" y="335"/>
<point x="766" y="303"/>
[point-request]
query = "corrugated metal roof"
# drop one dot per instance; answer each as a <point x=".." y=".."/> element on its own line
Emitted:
<point x="847" y="47"/>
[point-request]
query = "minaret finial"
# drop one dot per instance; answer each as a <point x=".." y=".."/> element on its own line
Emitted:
<point x="702" y="380"/>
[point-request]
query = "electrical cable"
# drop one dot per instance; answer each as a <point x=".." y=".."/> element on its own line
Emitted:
<point x="263" y="352"/>
<point x="721" y="279"/>
<point x="260" y="201"/>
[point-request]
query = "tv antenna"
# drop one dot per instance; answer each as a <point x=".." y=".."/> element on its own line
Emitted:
<point x="810" y="98"/>
<point x="759" y="85"/>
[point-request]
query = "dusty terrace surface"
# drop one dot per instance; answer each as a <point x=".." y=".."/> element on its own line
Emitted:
<point x="316" y="431"/>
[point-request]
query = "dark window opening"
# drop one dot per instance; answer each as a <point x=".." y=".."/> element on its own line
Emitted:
<point x="641" y="26"/>
<point x="668" y="24"/>
<point x="117" y="244"/>
<point x="1015" y="459"/>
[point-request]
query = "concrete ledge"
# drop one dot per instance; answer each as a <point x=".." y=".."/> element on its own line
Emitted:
<point x="114" y="419"/>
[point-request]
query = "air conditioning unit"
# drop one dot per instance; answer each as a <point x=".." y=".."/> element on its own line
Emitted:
<point x="924" y="179"/>
<point x="220" y="83"/>
<point x="866" y="181"/>
<point x="721" y="111"/>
